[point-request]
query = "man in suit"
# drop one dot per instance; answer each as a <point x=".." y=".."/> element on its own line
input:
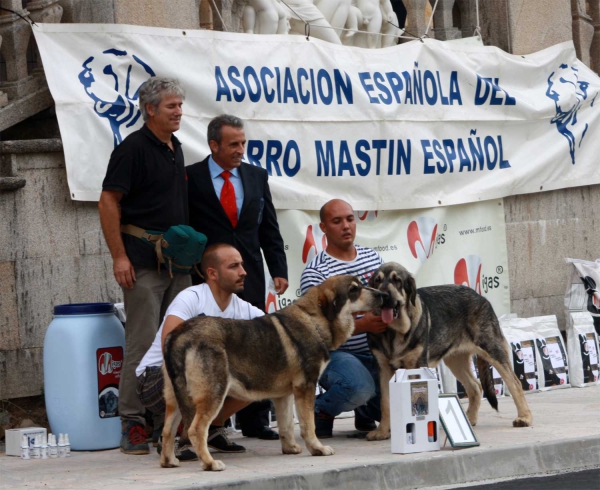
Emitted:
<point x="231" y="203"/>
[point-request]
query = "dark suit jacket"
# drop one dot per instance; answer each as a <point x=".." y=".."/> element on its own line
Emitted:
<point x="257" y="225"/>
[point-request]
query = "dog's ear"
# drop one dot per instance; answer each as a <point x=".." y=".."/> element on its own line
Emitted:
<point x="328" y="306"/>
<point x="410" y="286"/>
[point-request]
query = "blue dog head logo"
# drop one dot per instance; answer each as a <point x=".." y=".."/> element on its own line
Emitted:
<point x="115" y="99"/>
<point x="568" y="92"/>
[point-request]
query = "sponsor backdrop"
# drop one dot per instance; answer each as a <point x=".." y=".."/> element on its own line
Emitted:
<point x="413" y="126"/>
<point x="463" y="244"/>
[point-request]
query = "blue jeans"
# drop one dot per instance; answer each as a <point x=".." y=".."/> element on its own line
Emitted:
<point x="352" y="383"/>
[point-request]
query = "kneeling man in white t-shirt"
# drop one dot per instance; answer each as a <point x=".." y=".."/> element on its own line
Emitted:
<point x="224" y="273"/>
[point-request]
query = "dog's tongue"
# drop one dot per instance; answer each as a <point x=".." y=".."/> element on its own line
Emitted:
<point x="387" y="315"/>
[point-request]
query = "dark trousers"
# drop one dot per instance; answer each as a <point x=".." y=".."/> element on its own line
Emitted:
<point x="254" y="417"/>
<point x="145" y="307"/>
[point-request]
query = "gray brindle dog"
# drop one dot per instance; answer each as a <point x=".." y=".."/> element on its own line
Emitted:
<point x="447" y="322"/>
<point x="274" y="356"/>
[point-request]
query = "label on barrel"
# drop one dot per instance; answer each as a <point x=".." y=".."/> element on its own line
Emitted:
<point x="110" y="363"/>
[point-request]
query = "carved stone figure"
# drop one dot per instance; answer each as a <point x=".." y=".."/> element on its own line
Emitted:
<point x="335" y="12"/>
<point x="306" y="11"/>
<point x="368" y="18"/>
<point x="390" y="25"/>
<point x="265" y="17"/>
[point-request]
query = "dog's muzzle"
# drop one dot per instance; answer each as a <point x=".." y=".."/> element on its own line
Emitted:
<point x="389" y="309"/>
<point x="379" y="295"/>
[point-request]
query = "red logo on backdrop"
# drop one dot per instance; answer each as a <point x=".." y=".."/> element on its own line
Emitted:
<point x="366" y="215"/>
<point x="468" y="272"/>
<point x="421" y="237"/>
<point x="110" y="362"/>
<point x="271" y="303"/>
<point x="314" y="243"/>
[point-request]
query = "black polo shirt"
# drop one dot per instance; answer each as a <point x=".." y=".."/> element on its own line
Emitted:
<point x="152" y="179"/>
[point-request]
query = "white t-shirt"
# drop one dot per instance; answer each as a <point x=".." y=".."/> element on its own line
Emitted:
<point x="192" y="302"/>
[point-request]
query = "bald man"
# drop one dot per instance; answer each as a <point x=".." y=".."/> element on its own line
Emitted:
<point x="224" y="272"/>
<point x="351" y="377"/>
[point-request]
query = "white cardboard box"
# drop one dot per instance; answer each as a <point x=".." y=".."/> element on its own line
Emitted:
<point x="413" y="405"/>
<point x="13" y="438"/>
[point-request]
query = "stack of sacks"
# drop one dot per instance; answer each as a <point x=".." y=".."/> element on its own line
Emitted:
<point x="582" y="346"/>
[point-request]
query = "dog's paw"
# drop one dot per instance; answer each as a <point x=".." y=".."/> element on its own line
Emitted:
<point x="378" y="435"/>
<point x="322" y="451"/>
<point x="215" y="465"/>
<point x="173" y="463"/>
<point x="291" y="449"/>
<point x="522" y="422"/>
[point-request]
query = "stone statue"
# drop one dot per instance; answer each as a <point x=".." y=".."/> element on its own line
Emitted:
<point x="326" y="19"/>
<point x="265" y="17"/>
<point x="367" y="15"/>
<point x="390" y="25"/>
<point x="335" y="12"/>
<point x="306" y="11"/>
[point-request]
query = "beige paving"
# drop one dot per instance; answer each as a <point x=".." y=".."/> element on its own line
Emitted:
<point x="566" y="434"/>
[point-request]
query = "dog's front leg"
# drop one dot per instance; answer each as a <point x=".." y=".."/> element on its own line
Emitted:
<point x="284" y="408"/>
<point x="385" y="374"/>
<point x="305" y="406"/>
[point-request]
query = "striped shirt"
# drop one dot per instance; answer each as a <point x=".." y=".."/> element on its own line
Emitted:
<point x="324" y="266"/>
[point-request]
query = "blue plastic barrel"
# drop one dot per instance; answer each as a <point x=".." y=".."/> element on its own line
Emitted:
<point x="83" y="358"/>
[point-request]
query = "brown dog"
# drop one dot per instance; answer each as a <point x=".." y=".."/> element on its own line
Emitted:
<point x="273" y="356"/>
<point x="441" y="322"/>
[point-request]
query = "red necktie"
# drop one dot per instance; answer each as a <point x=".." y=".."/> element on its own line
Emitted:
<point x="228" y="198"/>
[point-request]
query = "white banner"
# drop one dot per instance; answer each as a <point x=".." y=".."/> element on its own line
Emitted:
<point x="463" y="244"/>
<point x="417" y="125"/>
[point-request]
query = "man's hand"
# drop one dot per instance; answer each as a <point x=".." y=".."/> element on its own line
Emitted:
<point x="124" y="272"/>
<point x="369" y="323"/>
<point x="281" y="284"/>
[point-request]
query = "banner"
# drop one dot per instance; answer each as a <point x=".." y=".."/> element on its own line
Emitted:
<point x="463" y="244"/>
<point x="419" y="125"/>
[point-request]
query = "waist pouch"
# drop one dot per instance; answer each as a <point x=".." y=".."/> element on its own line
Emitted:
<point x="180" y="248"/>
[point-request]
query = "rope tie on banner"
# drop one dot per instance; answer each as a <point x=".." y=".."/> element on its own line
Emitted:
<point x="29" y="21"/>
<point x="477" y="27"/>
<point x="308" y="25"/>
<point x="220" y="16"/>
<point x="430" y="19"/>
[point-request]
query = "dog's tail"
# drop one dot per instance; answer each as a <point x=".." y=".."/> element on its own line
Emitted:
<point x="487" y="382"/>
<point x="175" y="358"/>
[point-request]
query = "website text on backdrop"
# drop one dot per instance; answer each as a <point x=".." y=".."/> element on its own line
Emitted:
<point x="144" y="186"/>
<point x="277" y="355"/>
<point x="450" y="322"/>
<point x="351" y="378"/>
<point x="224" y="272"/>
<point x="230" y="202"/>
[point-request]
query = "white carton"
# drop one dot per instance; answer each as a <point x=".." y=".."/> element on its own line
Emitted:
<point x="14" y="436"/>
<point x="413" y="405"/>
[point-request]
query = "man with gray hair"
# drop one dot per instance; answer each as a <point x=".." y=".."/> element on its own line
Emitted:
<point x="230" y="202"/>
<point x="145" y="186"/>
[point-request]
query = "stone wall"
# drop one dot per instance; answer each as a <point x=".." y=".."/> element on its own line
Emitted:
<point x="51" y="252"/>
<point x="541" y="231"/>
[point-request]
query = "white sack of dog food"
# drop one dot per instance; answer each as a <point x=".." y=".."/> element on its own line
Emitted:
<point x="582" y="347"/>
<point x="583" y="290"/>
<point x="523" y="355"/>
<point x="553" y="362"/>
<point x="452" y="385"/>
